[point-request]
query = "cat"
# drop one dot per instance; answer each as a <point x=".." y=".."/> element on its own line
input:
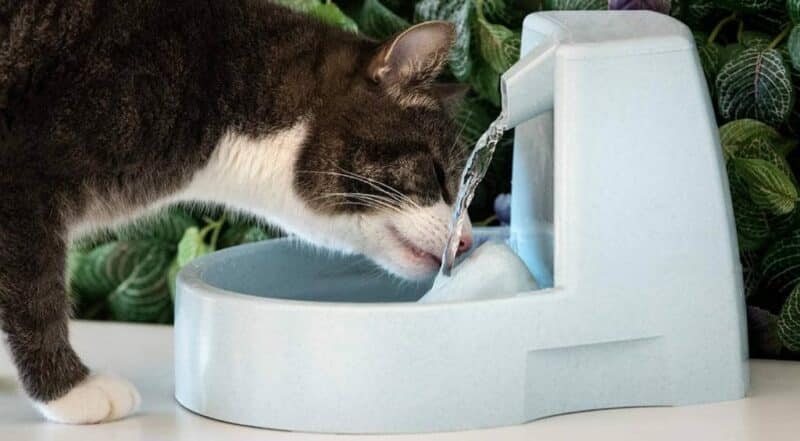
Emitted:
<point x="112" y="109"/>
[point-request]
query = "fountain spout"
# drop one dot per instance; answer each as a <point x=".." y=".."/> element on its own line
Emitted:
<point x="527" y="87"/>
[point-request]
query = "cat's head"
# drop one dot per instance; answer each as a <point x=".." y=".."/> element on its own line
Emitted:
<point x="382" y="160"/>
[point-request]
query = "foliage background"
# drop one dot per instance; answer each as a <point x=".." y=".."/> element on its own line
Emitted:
<point x="750" y="53"/>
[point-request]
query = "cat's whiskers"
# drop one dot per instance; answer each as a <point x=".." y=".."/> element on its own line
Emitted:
<point x="367" y="179"/>
<point x="396" y="195"/>
<point x="372" y="201"/>
<point x="457" y="153"/>
<point x="458" y="135"/>
<point x="374" y="182"/>
<point x="356" y="203"/>
<point x="392" y="200"/>
<point x="376" y="201"/>
<point x="432" y="223"/>
<point x="389" y="202"/>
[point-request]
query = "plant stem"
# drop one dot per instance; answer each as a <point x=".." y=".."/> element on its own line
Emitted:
<point x="205" y="230"/>
<point x="217" y="229"/>
<point x="740" y="30"/>
<point x="214" y="226"/>
<point x="780" y="37"/>
<point x="486" y="221"/>
<point x="715" y="32"/>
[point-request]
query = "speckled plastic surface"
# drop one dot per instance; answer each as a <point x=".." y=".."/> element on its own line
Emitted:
<point x="630" y="216"/>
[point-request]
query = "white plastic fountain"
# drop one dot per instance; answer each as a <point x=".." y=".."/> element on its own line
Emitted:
<point x="620" y="209"/>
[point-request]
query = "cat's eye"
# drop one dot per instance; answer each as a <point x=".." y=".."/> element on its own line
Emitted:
<point x="442" y="180"/>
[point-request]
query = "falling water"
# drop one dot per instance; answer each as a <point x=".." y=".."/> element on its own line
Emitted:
<point x="473" y="173"/>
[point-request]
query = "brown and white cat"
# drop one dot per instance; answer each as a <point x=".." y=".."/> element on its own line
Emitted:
<point x="114" y="108"/>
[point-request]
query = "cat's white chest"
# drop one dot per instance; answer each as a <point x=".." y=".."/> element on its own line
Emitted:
<point x="257" y="175"/>
<point x="243" y="173"/>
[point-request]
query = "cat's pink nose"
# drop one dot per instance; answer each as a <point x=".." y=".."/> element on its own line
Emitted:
<point x="465" y="243"/>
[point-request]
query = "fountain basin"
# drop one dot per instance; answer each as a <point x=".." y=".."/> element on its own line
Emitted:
<point x="280" y="335"/>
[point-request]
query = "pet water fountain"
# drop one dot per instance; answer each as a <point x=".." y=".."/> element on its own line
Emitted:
<point x="621" y="211"/>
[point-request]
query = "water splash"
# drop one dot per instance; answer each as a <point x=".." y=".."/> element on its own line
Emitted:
<point x="474" y="171"/>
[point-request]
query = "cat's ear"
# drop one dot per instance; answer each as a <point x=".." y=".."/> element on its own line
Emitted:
<point x="413" y="57"/>
<point x="451" y="95"/>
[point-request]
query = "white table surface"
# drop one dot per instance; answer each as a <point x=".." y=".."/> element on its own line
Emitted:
<point x="143" y="354"/>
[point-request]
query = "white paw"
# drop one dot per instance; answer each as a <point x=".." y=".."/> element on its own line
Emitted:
<point x="96" y="399"/>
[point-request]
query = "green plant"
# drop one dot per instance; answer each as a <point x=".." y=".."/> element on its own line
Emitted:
<point x="750" y="55"/>
<point x="129" y="274"/>
<point x="750" y="52"/>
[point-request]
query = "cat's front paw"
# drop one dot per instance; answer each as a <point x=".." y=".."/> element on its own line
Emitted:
<point x="96" y="399"/>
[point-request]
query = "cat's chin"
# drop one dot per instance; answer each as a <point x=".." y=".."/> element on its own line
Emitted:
<point x="414" y="269"/>
<point x="409" y="246"/>
<point x="409" y="269"/>
<point x="404" y="258"/>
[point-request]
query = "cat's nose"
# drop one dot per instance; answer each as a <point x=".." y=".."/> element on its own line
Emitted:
<point x="465" y="243"/>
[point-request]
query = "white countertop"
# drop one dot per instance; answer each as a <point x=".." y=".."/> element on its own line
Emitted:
<point x="143" y="354"/>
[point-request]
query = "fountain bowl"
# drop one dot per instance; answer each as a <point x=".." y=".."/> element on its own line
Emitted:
<point x="281" y="335"/>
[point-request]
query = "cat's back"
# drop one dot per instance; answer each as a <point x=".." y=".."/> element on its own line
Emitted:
<point x="107" y="90"/>
<point x="94" y="73"/>
<point x="34" y="34"/>
<point x="50" y="47"/>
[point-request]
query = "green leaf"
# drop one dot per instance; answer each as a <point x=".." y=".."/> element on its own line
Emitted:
<point x="575" y="5"/>
<point x="750" y="271"/>
<point x="256" y="234"/>
<point x="500" y="11"/>
<point x="144" y="295"/>
<point x="237" y="234"/>
<point x="768" y="186"/>
<point x="729" y="52"/>
<point x="780" y="225"/>
<point x="746" y="5"/>
<point x="331" y="14"/>
<point x="232" y="235"/>
<point x="696" y="11"/>
<point x="752" y="227"/>
<point x="755" y="84"/>
<point x="486" y="83"/>
<point x="780" y="265"/>
<point x="793" y="8"/>
<point x="167" y="226"/>
<point x="789" y="321"/>
<point x="793" y="46"/>
<point x="754" y="39"/>
<point x="710" y="55"/>
<point x="395" y="5"/>
<point x="378" y="21"/>
<point x="760" y="149"/>
<point x="191" y="246"/>
<point x="460" y="13"/>
<point x="103" y="269"/>
<point x="499" y="46"/>
<point x="473" y="118"/>
<point x="741" y="133"/>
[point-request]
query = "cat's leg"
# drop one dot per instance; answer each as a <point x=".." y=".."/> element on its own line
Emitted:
<point x="34" y="311"/>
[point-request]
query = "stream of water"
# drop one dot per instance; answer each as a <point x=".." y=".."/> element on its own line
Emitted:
<point x="477" y="164"/>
